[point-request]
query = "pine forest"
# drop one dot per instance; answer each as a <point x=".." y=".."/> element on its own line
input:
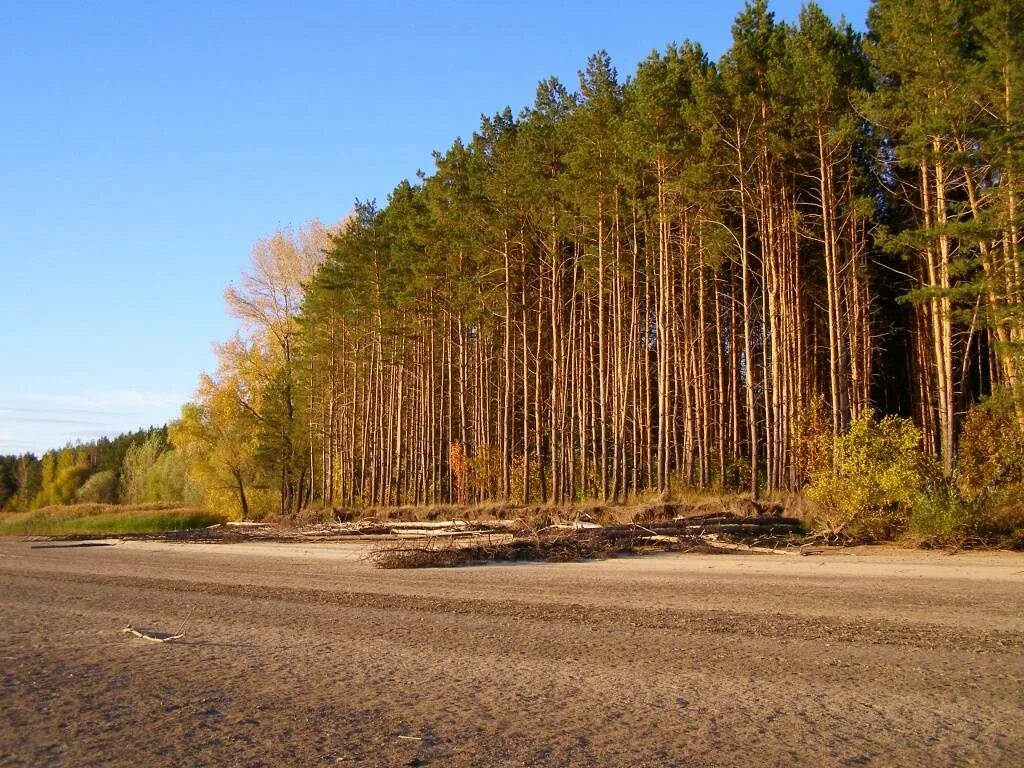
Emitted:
<point x="752" y="275"/>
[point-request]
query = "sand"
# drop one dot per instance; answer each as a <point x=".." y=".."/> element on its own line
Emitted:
<point x="304" y="655"/>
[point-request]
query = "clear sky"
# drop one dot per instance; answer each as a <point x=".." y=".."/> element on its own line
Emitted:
<point x="145" y="146"/>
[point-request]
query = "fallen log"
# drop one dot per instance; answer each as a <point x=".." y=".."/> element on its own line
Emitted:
<point x="577" y="525"/>
<point x="735" y="520"/>
<point x="730" y="546"/>
<point x="747" y="532"/>
<point x="433" y="525"/>
<point x="744" y="528"/>
<point x="657" y="539"/>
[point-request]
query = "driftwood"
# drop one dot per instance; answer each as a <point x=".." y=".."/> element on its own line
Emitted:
<point x="732" y="546"/>
<point x="752" y="529"/>
<point x="156" y="637"/>
<point x="565" y="543"/>
<point x="161" y="637"/>
<point x="538" y="536"/>
<point x="549" y="545"/>
<point x="729" y="519"/>
<point x="418" y="534"/>
<point x="744" y="530"/>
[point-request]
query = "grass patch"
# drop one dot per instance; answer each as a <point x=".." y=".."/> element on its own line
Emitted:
<point x="104" y="519"/>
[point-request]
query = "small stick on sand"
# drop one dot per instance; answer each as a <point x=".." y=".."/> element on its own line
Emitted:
<point x="160" y="637"/>
<point x="154" y="638"/>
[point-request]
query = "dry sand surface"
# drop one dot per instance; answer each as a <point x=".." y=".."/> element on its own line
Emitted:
<point x="304" y="655"/>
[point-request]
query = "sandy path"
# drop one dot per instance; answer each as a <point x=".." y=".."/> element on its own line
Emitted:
<point x="304" y="655"/>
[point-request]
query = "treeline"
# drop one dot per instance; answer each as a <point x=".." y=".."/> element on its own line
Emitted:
<point x="698" y="276"/>
<point x="132" y="468"/>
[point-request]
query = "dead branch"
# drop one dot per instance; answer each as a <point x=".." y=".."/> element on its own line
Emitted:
<point x="156" y="637"/>
<point x="163" y="637"/>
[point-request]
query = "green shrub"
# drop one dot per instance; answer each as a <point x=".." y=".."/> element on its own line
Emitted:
<point x="100" y="488"/>
<point x="941" y="516"/>
<point x="868" y="492"/>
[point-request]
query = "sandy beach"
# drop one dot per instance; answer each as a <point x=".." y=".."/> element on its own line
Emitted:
<point x="304" y="654"/>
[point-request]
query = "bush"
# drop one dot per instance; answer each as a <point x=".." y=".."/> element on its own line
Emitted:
<point x="1004" y="520"/>
<point x="168" y="480"/>
<point x="991" y="451"/>
<point x="941" y="516"/>
<point x="100" y="488"/>
<point x="876" y="476"/>
<point x="984" y="504"/>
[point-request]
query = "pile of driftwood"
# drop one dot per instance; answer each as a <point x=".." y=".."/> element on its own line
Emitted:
<point x="445" y="552"/>
<point x="584" y="540"/>
<point x="368" y="528"/>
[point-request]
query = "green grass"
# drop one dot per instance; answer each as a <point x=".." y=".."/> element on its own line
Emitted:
<point x="99" y="519"/>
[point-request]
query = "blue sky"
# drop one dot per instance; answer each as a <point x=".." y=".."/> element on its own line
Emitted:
<point x="146" y="146"/>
